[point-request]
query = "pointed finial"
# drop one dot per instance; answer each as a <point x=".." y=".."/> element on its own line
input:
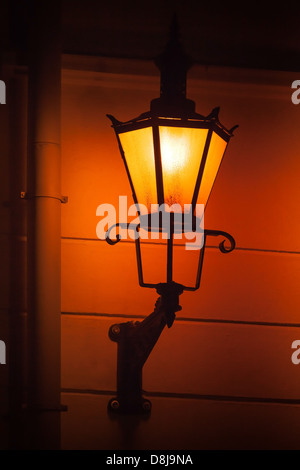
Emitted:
<point x="174" y="28"/>
<point x="173" y="64"/>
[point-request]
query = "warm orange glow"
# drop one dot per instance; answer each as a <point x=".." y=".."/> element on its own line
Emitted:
<point x="139" y="154"/>
<point x="181" y="152"/>
<point x="215" y="154"/>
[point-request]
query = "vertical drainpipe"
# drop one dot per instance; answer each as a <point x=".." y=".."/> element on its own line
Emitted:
<point x="44" y="226"/>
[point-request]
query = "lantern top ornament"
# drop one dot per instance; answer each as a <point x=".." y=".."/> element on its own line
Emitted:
<point x="173" y="64"/>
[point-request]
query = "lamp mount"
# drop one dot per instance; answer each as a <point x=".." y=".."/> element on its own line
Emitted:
<point x="135" y="342"/>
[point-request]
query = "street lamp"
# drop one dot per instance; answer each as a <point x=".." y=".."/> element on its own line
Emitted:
<point x="172" y="156"/>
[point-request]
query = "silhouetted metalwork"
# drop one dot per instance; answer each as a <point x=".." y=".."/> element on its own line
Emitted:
<point x="172" y="109"/>
<point x="206" y="232"/>
<point x="135" y="342"/>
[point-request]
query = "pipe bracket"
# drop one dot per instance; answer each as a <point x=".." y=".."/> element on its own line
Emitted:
<point x="25" y="195"/>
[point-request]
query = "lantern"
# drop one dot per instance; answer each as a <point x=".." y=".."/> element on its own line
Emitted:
<point x="172" y="156"/>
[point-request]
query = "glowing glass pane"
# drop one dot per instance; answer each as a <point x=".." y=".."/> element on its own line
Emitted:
<point x="214" y="157"/>
<point x="181" y="153"/>
<point x="139" y="154"/>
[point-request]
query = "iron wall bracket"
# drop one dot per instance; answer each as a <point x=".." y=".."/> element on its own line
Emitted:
<point x="135" y="342"/>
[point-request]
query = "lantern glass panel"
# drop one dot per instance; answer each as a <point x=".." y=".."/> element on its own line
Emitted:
<point x="139" y="154"/>
<point x="181" y="154"/>
<point x="214" y="157"/>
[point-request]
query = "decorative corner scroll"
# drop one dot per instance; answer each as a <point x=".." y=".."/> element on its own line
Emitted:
<point x="130" y="226"/>
<point x="222" y="247"/>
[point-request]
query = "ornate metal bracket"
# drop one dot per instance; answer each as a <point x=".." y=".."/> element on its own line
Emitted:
<point x="135" y="342"/>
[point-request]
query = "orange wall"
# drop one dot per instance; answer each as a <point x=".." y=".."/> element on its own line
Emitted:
<point x="255" y="198"/>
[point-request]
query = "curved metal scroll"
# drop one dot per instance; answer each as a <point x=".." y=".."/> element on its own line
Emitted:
<point x="118" y="237"/>
<point x="222" y="247"/>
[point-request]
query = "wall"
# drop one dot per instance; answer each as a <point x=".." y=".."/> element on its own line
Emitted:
<point x="222" y="376"/>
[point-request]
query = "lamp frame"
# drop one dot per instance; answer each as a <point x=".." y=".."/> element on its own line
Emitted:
<point x="189" y="119"/>
<point x="179" y="119"/>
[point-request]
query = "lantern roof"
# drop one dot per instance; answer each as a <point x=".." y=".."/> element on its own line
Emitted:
<point x="210" y="121"/>
<point x="172" y="104"/>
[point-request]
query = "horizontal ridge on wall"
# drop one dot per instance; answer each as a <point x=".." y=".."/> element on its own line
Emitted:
<point x="187" y="319"/>
<point x="191" y="396"/>
<point x="237" y="248"/>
